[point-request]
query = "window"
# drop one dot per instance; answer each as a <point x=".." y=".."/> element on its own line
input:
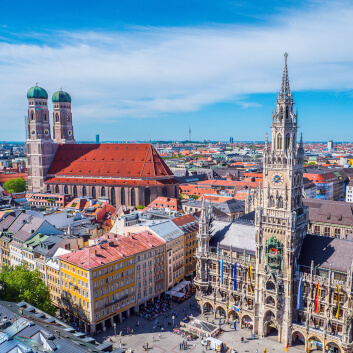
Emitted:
<point x="57" y="117"/>
<point x="75" y="191"/>
<point x="327" y="231"/>
<point x="147" y="197"/>
<point x="287" y="138"/>
<point x="317" y="230"/>
<point x="164" y="192"/>
<point x="84" y="191"/>
<point x="112" y="196"/>
<point x="279" y="141"/>
<point x="94" y="192"/>
<point x="122" y="196"/>
<point x="103" y="192"/>
<point x="57" y="189"/>
<point x="133" y="199"/>
<point x="337" y="233"/>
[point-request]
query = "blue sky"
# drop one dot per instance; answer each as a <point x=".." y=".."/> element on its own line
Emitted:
<point x="140" y="70"/>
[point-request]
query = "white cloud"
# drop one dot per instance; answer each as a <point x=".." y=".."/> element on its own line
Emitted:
<point x="149" y="72"/>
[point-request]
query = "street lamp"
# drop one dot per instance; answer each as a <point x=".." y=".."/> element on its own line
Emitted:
<point x="173" y="317"/>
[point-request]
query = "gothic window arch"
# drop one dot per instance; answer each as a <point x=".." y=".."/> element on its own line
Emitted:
<point x="122" y="196"/>
<point x="66" y="189"/>
<point x="164" y="192"/>
<point x="45" y="116"/>
<point x="271" y="201"/>
<point x="48" y="189"/>
<point x="57" y="118"/>
<point x="74" y="190"/>
<point x="287" y="112"/>
<point x="279" y="141"/>
<point x="103" y="191"/>
<point x="270" y="286"/>
<point x="94" y="195"/>
<point x="133" y="197"/>
<point x="57" y="189"/>
<point x="280" y="202"/>
<point x="281" y="116"/>
<point x="147" y="197"/>
<point x="32" y="115"/>
<point x="112" y="196"/>
<point x="287" y="141"/>
<point x="84" y="191"/>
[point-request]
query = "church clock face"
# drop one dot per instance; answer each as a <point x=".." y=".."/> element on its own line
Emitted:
<point x="277" y="179"/>
<point x="46" y="132"/>
<point x="69" y="133"/>
<point x="33" y="132"/>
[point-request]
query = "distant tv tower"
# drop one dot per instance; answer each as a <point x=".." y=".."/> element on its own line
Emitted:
<point x="189" y="133"/>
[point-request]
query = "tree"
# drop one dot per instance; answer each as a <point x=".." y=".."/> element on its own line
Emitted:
<point x="15" y="185"/>
<point x="20" y="284"/>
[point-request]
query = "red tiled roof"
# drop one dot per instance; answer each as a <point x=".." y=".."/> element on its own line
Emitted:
<point x="114" y="249"/>
<point x="7" y="176"/>
<point x="108" y="160"/>
<point x="164" y="202"/>
<point x="182" y="220"/>
<point x="109" y="182"/>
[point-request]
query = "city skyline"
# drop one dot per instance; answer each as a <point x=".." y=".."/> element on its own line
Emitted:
<point x="135" y="70"/>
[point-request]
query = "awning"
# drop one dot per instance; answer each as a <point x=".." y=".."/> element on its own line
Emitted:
<point x="179" y="287"/>
<point x="178" y="295"/>
<point x="171" y="292"/>
<point x="185" y="283"/>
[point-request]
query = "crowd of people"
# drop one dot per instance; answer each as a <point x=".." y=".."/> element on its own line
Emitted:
<point x="154" y="309"/>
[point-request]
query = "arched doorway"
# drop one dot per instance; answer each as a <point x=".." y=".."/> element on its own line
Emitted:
<point x="247" y="321"/>
<point x="207" y="308"/>
<point x="298" y="340"/>
<point x="221" y="313"/>
<point x="272" y="330"/>
<point x="314" y="344"/>
<point x="332" y="347"/>
<point x="233" y="315"/>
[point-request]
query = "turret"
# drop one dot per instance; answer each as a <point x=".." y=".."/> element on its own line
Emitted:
<point x="62" y="117"/>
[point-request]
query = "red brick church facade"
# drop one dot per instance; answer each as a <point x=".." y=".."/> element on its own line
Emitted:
<point x="128" y="174"/>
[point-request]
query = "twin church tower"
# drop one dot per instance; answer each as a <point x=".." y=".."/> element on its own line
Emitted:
<point x="41" y="147"/>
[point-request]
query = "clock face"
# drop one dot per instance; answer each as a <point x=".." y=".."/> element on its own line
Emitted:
<point x="33" y="132"/>
<point x="277" y="179"/>
<point x="46" y="132"/>
<point x="69" y="132"/>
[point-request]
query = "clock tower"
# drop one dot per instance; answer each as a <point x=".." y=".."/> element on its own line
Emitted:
<point x="280" y="221"/>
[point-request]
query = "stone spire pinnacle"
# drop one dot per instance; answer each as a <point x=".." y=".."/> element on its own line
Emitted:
<point x="285" y="90"/>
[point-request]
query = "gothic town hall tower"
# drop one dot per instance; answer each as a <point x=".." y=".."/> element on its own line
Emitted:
<point x="281" y="221"/>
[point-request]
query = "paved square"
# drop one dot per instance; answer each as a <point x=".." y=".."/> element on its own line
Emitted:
<point x="167" y="341"/>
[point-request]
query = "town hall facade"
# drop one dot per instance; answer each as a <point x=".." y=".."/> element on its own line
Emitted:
<point x="264" y="270"/>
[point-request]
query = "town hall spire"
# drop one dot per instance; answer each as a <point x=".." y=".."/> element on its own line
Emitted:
<point x="285" y="90"/>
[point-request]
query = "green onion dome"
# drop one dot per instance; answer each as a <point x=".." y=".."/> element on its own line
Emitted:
<point x="37" y="92"/>
<point x="61" y="97"/>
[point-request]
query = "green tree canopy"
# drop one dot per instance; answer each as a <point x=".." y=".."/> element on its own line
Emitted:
<point x="20" y="284"/>
<point x="15" y="185"/>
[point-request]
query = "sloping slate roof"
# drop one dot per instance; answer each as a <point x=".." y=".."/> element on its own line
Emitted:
<point x="110" y="160"/>
<point x="237" y="234"/>
<point x="167" y="230"/>
<point x="326" y="252"/>
<point x="231" y="206"/>
<point x="19" y="222"/>
<point x="337" y="212"/>
<point x="6" y="222"/>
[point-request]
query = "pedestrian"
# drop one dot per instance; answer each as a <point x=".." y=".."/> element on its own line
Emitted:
<point x="152" y="338"/>
<point x="132" y="331"/>
<point x="159" y="336"/>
